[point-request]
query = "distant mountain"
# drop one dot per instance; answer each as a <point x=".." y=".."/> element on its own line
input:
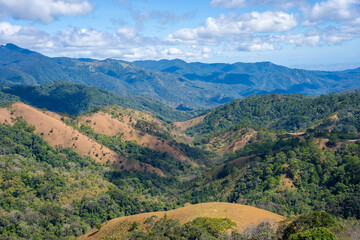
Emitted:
<point x="177" y="83"/>
<point x="259" y="78"/>
<point x="23" y="67"/>
<point x="80" y="98"/>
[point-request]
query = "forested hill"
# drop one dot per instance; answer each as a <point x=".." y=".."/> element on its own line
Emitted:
<point x="275" y="111"/>
<point x="80" y="98"/>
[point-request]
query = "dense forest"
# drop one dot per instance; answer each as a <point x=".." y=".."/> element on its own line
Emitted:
<point x="276" y="111"/>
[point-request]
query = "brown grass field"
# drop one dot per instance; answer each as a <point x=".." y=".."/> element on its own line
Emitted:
<point x="242" y="215"/>
<point x="189" y="123"/>
<point x="104" y="123"/>
<point x="57" y="133"/>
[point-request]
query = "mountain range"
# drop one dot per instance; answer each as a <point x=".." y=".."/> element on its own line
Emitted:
<point x="175" y="82"/>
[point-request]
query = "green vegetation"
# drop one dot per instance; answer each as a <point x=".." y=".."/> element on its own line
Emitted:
<point x="309" y="226"/>
<point x="51" y="193"/>
<point x="320" y="179"/>
<point x="275" y="111"/>
<point x="6" y="97"/>
<point x="199" y="228"/>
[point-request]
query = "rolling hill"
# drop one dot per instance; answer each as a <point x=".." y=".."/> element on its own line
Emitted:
<point x="275" y="111"/>
<point x="58" y="134"/>
<point x="242" y="215"/>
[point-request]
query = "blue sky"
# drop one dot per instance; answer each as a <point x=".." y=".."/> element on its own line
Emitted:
<point x="288" y="32"/>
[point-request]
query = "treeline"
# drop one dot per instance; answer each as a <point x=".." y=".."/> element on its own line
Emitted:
<point x="312" y="225"/>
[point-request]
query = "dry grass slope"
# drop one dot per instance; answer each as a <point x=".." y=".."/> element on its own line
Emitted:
<point x="189" y="123"/>
<point x="57" y="133"/>
<point x="104" y="123"/>
<point x="242" y="215"/>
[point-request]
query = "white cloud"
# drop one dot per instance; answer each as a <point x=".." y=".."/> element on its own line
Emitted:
<point x="27" y="36"/>
<point x="227" y="3"/>
<point x="342" y="11"/>
<point x="255" y="47"/>
<point x="84" y="38"/>
<point x="43" y="10"/>
<point x="128" y="33"/>
<point x="299" y="40"/>
<point x="6" y="29"/>
<point x="337" y="35"/>
<point x="126" y="44"/>
<point x="235" y="24"/>
<point x="248" y="44"/>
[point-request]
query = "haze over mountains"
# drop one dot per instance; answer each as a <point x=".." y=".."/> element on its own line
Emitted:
<point x="180" y="84"/>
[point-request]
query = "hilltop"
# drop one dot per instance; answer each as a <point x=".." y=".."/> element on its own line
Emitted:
<point x="242" y="215"/>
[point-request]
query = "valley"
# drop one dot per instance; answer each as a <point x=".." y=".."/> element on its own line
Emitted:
<point x="80" y="161"/>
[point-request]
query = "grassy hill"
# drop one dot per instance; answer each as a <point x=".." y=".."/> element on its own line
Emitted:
<point x="265" y="165"/>
<point x="243" y="216"/>
<point x="58" y="134"/>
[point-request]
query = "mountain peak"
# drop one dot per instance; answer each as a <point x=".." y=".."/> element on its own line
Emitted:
<point x="13" y="47"/>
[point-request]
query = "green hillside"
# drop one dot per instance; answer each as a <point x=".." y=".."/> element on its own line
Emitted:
<point x="276" y="111"/>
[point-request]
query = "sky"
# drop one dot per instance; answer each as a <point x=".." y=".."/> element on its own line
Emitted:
<point x="303" y="33"/>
